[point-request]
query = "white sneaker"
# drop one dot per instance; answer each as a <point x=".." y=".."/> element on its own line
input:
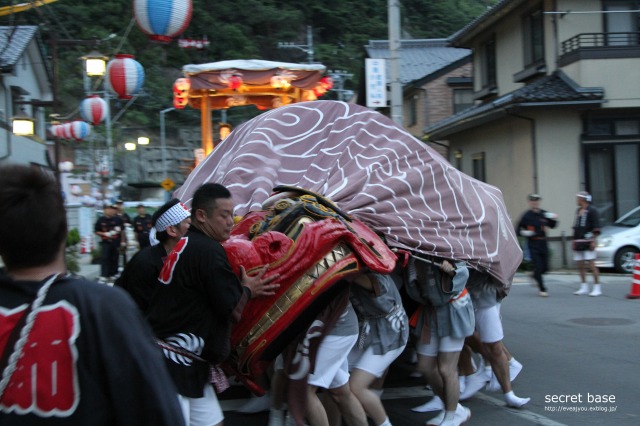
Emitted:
<point x="597" y="290"/>
<point x="461" y="416"/>
<point x="436" y="420"/>
<point x="584" y="289"/>
<point x="434" y="404"/>
<point x="515" y="401"/>
<point x="475" y="382"/>
<point x="514" y="369"/>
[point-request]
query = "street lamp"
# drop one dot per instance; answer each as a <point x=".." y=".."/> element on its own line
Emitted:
<point x="95" y="64"/>
<point x="23" y="126"/>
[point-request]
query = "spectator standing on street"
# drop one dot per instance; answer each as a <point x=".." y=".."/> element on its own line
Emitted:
<point x="534" y="225"/>
<point x="140" y="276"/>
<point x="586" y="228"/>
<point x="197" y="300"/>
<point x="141" y="226"/>
<point x="109" y="228"/>
<point x="126" y="220"/>
<point x="73" y="352"/>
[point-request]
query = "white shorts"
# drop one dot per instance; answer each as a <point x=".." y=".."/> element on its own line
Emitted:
<point x="584" y="255"/>
<point x="439" y="344"/>
<point x="205" y="411"/>
<point x="332" y="369"/>
<point x="371" y="363"/>
<point x="489" y="324"/>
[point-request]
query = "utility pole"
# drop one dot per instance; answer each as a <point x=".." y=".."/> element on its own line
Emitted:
<point x="394" y="61"/>
<point x="307" y="48"/>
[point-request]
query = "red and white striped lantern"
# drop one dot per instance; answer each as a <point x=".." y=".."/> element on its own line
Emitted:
<point x="162" y="20"/>
<point x="79" y="130"/>
<point x="124" y="76"/>
<point x="94" y="109"/>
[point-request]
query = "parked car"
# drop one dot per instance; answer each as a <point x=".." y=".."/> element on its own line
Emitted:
<point x="618" y="244"/>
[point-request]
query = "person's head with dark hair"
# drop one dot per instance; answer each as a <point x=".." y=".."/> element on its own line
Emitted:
<point x="33" y="221"/>
<point x="212" y="211"/>
<point x="170" y="220"/>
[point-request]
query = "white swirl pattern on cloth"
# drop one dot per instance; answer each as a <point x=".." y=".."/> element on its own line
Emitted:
<point x="373" y="170"/>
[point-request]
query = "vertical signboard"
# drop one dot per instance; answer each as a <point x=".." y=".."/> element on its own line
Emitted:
<point x="376" y="78"/>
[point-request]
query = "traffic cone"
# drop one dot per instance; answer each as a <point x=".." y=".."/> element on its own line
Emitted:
<point x="635" y="282"/>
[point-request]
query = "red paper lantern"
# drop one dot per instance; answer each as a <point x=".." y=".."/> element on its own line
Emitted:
<point x="235" y="81"/>
<point x="181" y="92"/>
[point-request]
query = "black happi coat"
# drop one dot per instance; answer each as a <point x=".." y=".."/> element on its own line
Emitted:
<point x="90" y="354"/>
<point x="197" y="299"/>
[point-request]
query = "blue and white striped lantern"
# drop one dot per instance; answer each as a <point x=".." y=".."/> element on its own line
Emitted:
<point x="124" y="76"/>
<point x="161" y="20"/>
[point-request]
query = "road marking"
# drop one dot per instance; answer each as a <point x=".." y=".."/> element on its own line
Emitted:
<point x="537" y="419"/>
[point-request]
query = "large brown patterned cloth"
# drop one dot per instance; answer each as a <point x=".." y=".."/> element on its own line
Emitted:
<point x="373" y="170"/>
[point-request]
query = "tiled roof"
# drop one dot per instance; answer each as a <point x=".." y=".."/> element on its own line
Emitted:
<point x="418" y="58"/>
<point x="13" y="42"/>
<point x="555" y="89"/>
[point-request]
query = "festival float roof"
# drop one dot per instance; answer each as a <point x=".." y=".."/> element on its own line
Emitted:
<point x="265" y="84"/>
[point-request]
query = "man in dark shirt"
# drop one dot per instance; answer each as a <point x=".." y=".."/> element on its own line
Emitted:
<point x="534" y="225"/>
<point x="126" y="220"/>
<point x="109" y="228"/>
<point x="197" y="300"/>
<point x="141" y="226"/>
<point x="140" y="276"/>
<point x="73" y="352"/>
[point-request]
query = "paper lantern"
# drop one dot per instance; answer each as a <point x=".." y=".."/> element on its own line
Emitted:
<point x="161" y="20"/>
<point x="181" y="92"/>
<point x="79" y="130"/>
<point x="66" y="131"/>
<point x="235" y="81"/>
<point x="124" y="76"/>
<point x="94" y="109"/>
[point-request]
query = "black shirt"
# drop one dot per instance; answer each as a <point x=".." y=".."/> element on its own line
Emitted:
<point x="140" y="275"/>
<point x="194" y="308"/>
<point x="92" y="339"/>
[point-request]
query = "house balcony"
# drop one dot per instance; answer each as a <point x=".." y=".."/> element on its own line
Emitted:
<point x="599" y="46"/>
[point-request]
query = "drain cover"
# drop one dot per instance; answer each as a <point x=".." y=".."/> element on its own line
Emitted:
<point x="601" y="321"/>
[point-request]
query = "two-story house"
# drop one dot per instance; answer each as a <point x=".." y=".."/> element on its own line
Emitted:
<point x="436" y="81"/>
<point x="557" y="105"/>
<point x="25" y="87"/>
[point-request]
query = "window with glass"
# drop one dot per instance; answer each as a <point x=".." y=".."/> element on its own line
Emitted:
<point x="622" y="22"/>
<point x="489" y="72"/>
<point x="533" y="33"/>
<point x="462" y="99"/>
<point x="478" y="164"/>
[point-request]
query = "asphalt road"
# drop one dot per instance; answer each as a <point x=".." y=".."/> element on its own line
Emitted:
<point x="577" y="351"/>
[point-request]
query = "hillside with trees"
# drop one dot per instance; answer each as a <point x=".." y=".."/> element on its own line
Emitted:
<point x="238" y="29"/>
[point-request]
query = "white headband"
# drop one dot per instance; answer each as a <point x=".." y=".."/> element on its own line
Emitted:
<point x="173" y="216"/>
